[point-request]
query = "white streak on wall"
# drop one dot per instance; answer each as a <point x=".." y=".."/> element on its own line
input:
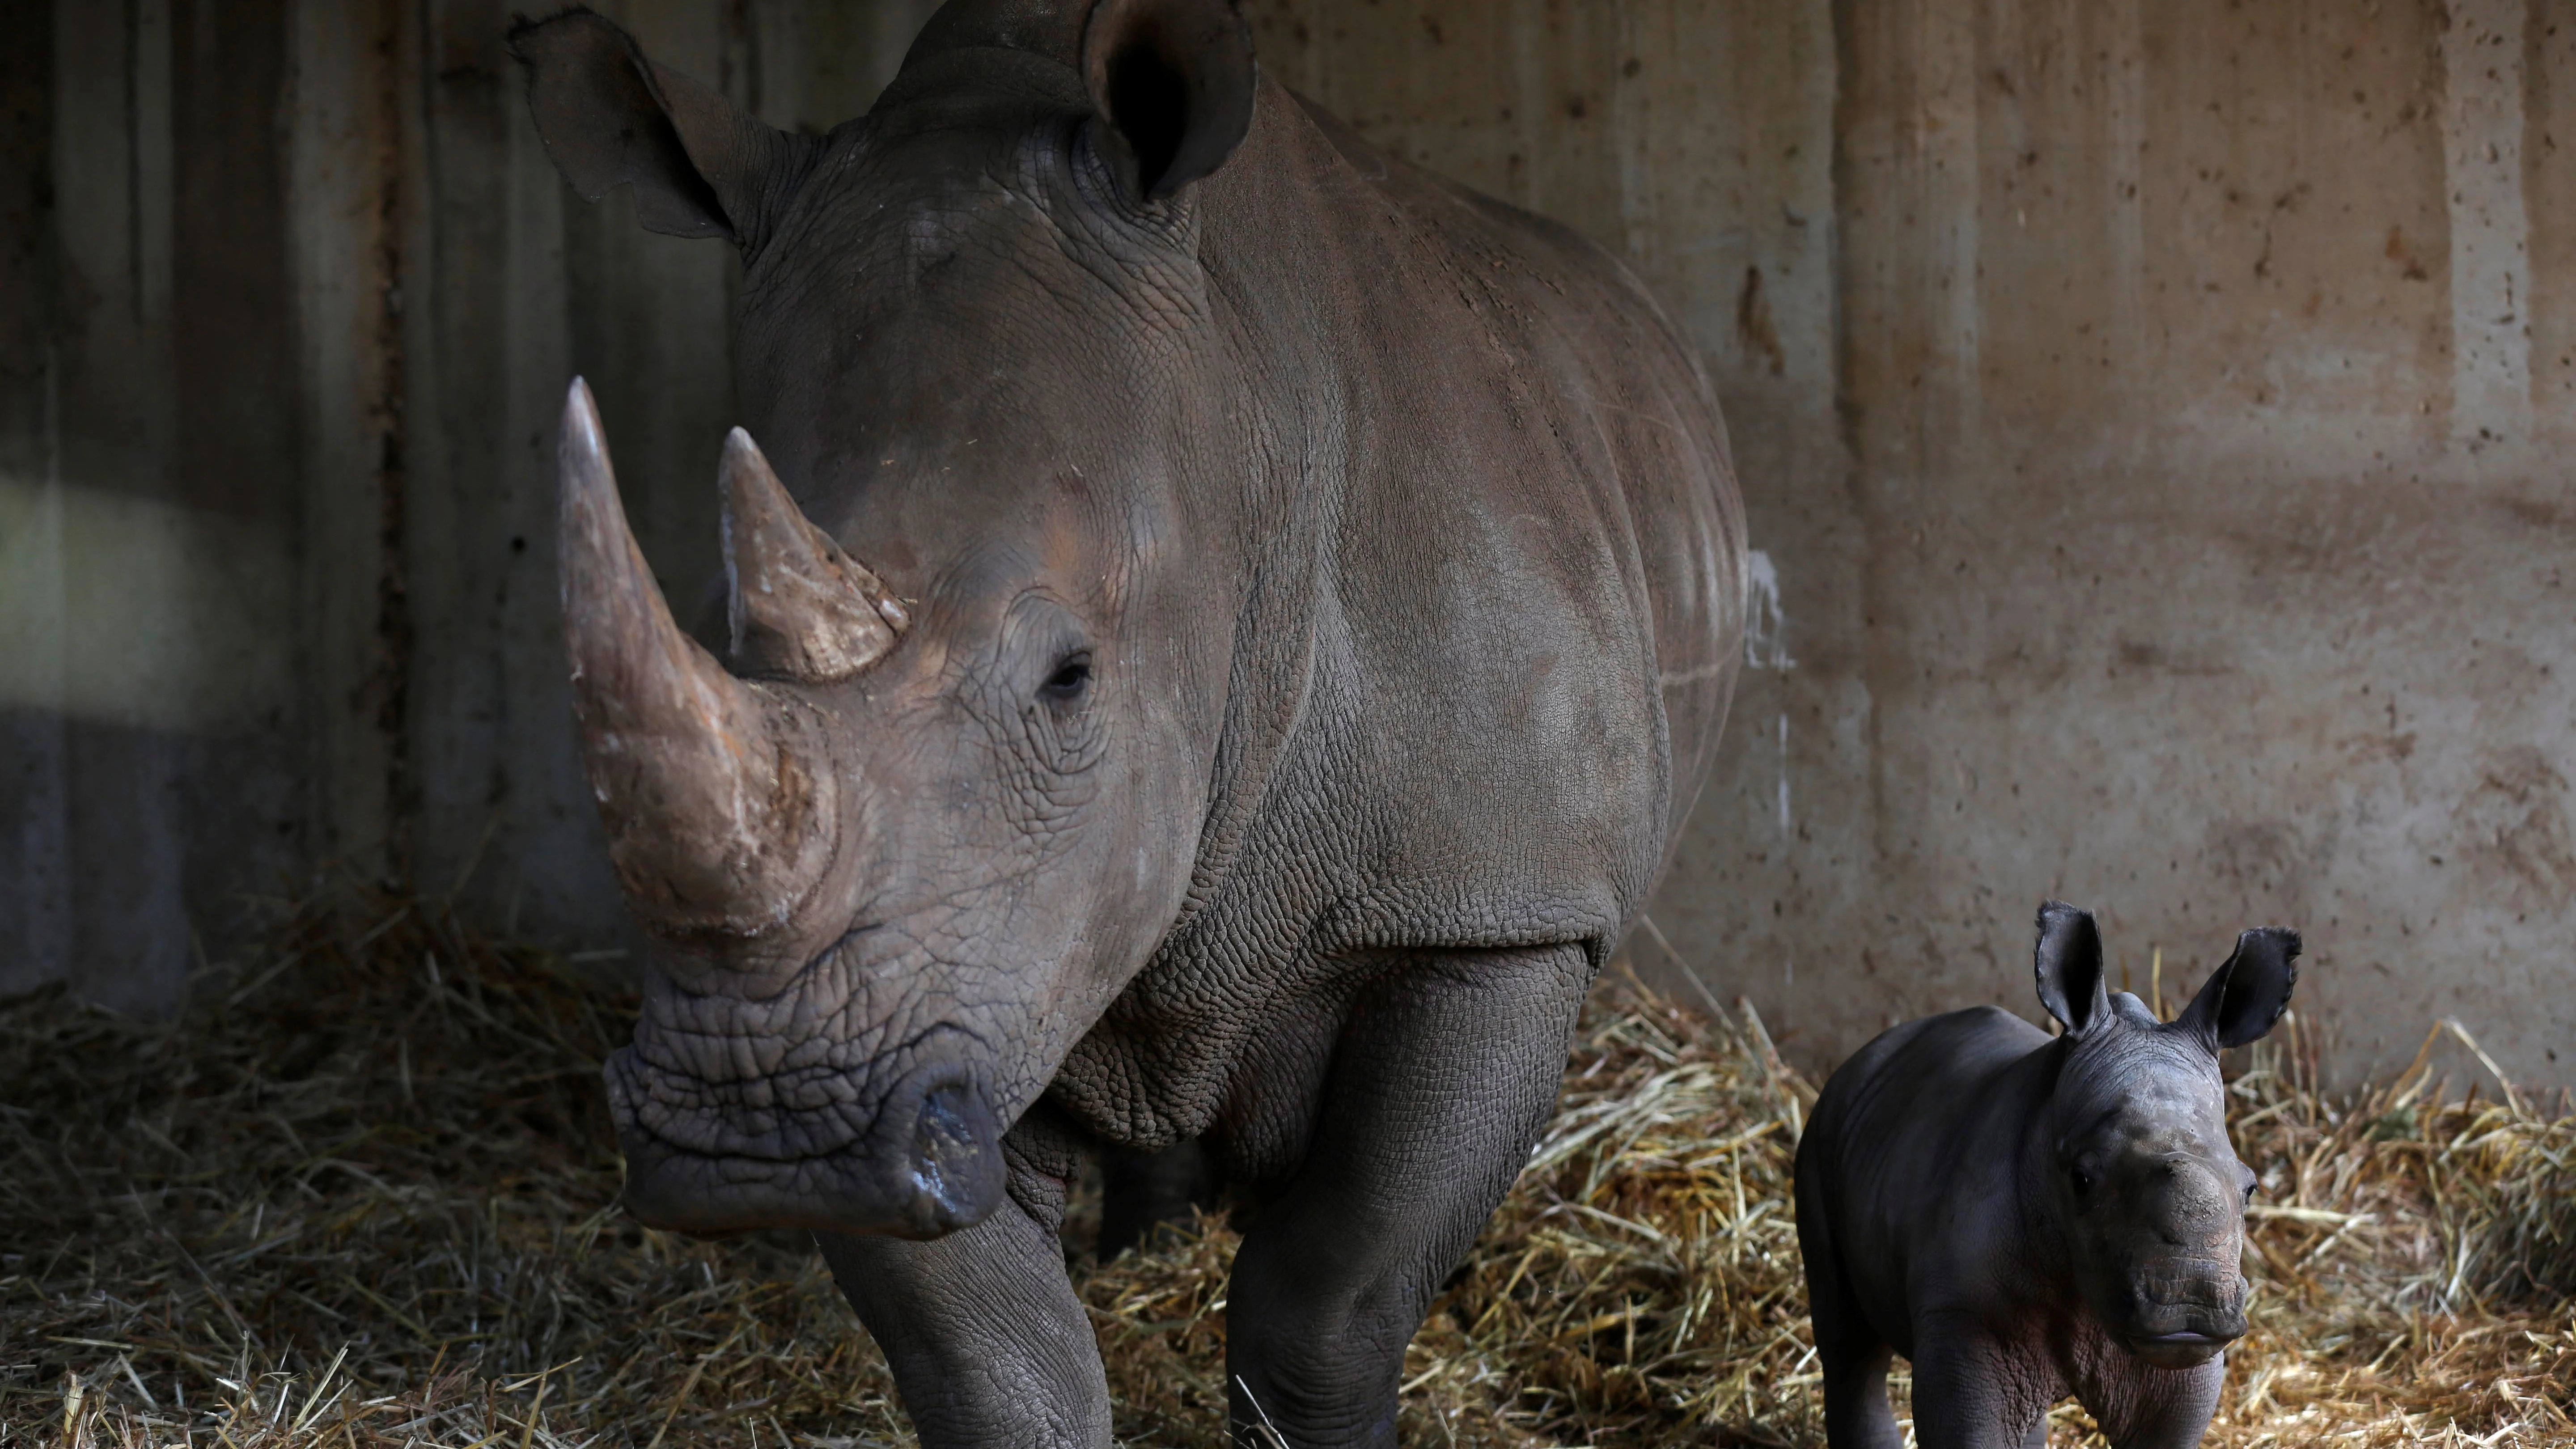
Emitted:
<point x="2482" y="129"/>
<point x="1766" y="629"/>
<point x="1784" y="774"/>
<point x="1766" y="646"/>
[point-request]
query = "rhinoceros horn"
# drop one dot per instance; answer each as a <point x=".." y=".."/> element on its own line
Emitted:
<point x="717" y="793"/>
<point x="798" y="606"/>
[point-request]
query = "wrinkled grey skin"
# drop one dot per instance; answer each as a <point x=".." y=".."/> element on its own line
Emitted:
<point x="1325" y="588"/>
<point x="2026" y="1218"/>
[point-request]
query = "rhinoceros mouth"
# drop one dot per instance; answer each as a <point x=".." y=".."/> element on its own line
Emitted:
<point x="2187" y="1329"/>
<point x="928" y="1163"/>
<point x="2189" y="1348"/>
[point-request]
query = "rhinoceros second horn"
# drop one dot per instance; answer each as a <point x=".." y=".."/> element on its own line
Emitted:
<point x="798" y="606"/>
<point x="712" y="789"/>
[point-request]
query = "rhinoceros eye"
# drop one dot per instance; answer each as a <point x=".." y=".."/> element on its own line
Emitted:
<point x="2083" y="1182"/>
<point x="1072" y="676"/>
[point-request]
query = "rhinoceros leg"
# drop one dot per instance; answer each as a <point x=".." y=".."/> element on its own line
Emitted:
<point x="1972" y="1391"/>
<point x="2149" y="1408"/>
<point x="1854" y="1360"/>
<point x="1440" y="1083"/>
<point x="989" y="1347"/>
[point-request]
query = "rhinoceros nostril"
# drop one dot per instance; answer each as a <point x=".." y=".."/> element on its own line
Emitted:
<point x="956" y="1157"/>
<point x="942" y="1140"/>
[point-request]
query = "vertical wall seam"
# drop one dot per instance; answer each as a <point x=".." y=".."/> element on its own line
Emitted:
<point x="134" y="157"/>
<point x="2482" y="138"/>
<point x="394" y="630"/>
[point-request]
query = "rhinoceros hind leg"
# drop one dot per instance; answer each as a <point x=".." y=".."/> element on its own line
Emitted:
<point x="989" y="1347"/>
<point x="1441" y="1082"/>
<point x="1857" y="1414"/>
<point x="1851" y="1354"/>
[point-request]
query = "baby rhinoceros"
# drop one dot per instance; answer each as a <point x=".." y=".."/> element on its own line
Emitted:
<point x="2024" y="1217"/>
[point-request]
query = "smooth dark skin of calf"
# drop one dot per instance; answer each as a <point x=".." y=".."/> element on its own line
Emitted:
<point x="2025" y="1217"/>
<point x="1222" y="629"/>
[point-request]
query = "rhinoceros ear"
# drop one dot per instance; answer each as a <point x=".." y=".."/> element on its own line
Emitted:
<point x="609" y="117"/>
<point x="2241" y="999"/>
<point x="2068" y="963"/>
<point x="1172" y="84"/>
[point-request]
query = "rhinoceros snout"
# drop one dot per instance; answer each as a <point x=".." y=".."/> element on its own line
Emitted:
<point x="929" y="1163"/>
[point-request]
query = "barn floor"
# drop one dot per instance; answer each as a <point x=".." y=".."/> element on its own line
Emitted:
<point x="361" y="1195"/>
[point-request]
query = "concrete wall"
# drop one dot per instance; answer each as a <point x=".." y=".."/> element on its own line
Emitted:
<point x="288" y="296"/>
<point x="2155" y="417"/>
<point x="2150" y="416"/>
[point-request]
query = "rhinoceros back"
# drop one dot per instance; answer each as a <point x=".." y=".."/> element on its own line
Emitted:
<point x="1542" y="547"/>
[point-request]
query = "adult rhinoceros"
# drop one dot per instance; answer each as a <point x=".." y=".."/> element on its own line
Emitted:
<point x="1232" y="632"/>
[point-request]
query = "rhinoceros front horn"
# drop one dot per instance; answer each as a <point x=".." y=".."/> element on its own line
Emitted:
<point x="717" y="792"/>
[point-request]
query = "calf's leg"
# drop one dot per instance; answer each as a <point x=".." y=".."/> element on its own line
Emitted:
<point x="2153" y="1408"/>
<point x="1440" y="1084"/>
<point x="1857" y="1415"/>
<point x="989" y="1347"/>
<point x="1854" y="1361"/>
<point x="1972" y="1391"/>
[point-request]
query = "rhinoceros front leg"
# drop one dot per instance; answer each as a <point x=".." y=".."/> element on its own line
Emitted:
<point x="2153" y="1408"/>
<point x="1440" y="1083"/>
<point x="989" y="1347"/>
<point x="1973" y="1391"/>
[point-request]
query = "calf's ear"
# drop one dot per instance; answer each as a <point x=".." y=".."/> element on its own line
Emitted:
<point x="2068" y="963"/>
<point x="1172" y="84"/>
<point x="2241" y="999"/>
<point x="609" y="117"/>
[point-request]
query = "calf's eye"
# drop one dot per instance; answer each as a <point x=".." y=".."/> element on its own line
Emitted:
<point x="1071" y="678"/>
<point x="2083" y="1182"/>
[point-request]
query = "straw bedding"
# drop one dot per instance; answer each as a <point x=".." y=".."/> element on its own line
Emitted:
<point x="361" y="1195"/>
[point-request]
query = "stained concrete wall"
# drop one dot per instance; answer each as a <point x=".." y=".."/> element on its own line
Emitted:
<point x="2155" y="420"/>
<point x="2150" y="417"/>
<point x="288" y="296"/>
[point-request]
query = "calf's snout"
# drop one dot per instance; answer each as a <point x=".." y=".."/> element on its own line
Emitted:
<point x="2183" y="1314"/>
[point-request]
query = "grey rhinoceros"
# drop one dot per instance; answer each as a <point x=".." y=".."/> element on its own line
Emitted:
<point x="1222" y="630"/>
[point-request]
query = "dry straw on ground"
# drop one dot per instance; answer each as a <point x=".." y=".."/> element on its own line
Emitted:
<point x="361" y="1195"/>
